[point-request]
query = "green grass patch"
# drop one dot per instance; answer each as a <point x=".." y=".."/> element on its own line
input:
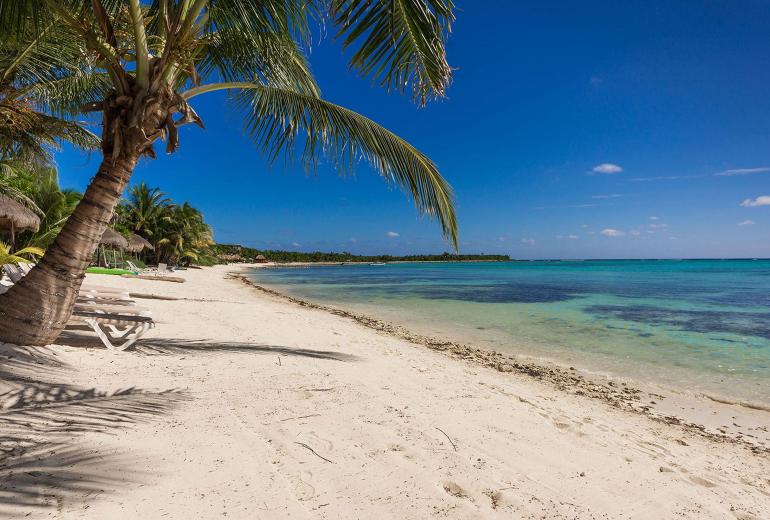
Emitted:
<point x="105" y="270"/>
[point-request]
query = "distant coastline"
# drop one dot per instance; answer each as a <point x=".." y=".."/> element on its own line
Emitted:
<point x="235" y="253"/>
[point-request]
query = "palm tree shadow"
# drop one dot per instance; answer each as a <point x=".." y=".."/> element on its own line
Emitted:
<point x="42" y="461"/>
<point x="22" y="364"/>
<point x="161" y="346"/>
<point x="176" y="346"/>
<point x="47" y="474"/>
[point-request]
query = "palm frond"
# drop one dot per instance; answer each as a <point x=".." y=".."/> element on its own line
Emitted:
<point x="66" y="96"/>
<point x="276" y="118"/>
<point x="293" y="19"/>
<point x="29" y="136"/>
<point x="239" y="55"/>
<point x="399" y="42"/>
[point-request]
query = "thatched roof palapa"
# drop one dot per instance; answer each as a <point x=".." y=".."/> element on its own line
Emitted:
<point x="136" y="243"/>
<point x="14" y="215"/>
<point x="112" y="238"/>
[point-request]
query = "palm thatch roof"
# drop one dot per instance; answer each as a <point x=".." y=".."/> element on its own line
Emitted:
<point x="137" y="244"/>
<point x="112" y="238"/>
<point x="14" y="215"/>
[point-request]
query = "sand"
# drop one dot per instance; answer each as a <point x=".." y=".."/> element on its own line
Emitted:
<point x="242" y="404"/>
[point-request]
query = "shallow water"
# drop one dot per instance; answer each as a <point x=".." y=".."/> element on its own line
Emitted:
<point x="701" y="325"/>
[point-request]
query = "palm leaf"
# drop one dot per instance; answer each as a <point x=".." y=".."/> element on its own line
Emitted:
<point x="275" y="119"/>
<point x="399" y="42"/>
<point x="240" y="55"/>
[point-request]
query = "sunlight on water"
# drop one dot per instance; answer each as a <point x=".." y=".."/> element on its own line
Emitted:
<point x="698" y="325"/>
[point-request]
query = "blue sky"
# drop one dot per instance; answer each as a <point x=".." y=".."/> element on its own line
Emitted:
<point x="587" y="129"/>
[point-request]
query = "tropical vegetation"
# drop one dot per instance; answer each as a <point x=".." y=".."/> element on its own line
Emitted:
<point x="177" y="232"/>
<point x="238" y="253"/>
<point x="19" y="256"/>
<point x="39" y="186"/>
<point x="140" y="64"/>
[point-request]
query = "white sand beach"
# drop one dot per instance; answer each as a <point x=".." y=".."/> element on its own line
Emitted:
<point x="240" y="404"/>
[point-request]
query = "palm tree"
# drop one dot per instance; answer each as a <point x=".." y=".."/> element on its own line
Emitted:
<point x="183" y="235"/>
<point x="142" y="210"/>
<point x="177" y="232"/>
<point x="142" y="63"/>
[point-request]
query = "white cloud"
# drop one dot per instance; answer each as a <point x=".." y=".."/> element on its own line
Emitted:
<point x="354" y="239"/>
<point x="743" y="171"/>
<point x="392" y="234"/>
<point x="609" y="232"/>
<point x="296" y="244"/>
<point x="528" y="241"/>
<point x="611" y="196"/>
<point x="654" y="218"/>
<point x="607" y="168"/>
<point x="635" y="232"/>
<point x="762" y="200"/>
<point x="501" y="239"/>
<point x="572" y="237"/>
<point x="746" y="223"/>
<point x="584" y="226"/>
<point x="597" y="80"/>
<point x="658" y="226"/>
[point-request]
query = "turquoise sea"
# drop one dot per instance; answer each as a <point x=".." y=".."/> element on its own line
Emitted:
<point x="699" y="325"/>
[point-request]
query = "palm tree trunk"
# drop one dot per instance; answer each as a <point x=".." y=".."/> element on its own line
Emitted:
<point x="35" y="310"/>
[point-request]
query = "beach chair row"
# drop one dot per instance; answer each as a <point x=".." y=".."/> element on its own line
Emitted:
<point x="108" y="311"/>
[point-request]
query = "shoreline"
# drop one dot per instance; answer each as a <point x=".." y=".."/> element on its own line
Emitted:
<point x="633" y="397"/>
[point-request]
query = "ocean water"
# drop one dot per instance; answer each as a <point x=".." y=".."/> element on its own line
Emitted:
<point x="697" y="325"/>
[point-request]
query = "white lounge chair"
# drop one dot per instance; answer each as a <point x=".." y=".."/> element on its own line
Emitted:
<point x="99" y="292"/>
<point x="14" y="272"/>
<point x="112" y="315"/>
<point x="109" y="311"/>
<point x="113" y="323"/>
<point x="138" y="270"/>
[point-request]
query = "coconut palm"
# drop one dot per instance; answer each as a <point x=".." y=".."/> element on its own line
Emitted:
<point x="150" y="60"/>
<point x="141" y="212"/>
<point x="182" y="235"/>
<point x="178" y="233"/>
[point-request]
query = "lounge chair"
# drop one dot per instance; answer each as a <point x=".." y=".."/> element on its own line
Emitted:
<point x="14" y="272"/>
<point x="99" y="292"/>
<point x="138" y="270"/>
<point x="112" y="315"/>
<point x="108" y="311"/>
<point x="114" y="322"/>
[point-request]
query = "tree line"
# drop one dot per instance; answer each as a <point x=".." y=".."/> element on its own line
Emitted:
<point x="238" y="253"/>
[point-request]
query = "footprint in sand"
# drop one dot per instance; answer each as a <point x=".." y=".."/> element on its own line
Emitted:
<point x="702" y="482"/>
<point x="301" y="488"/>
<point x="454" y="489"/>
<point x="495" y="497"/>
